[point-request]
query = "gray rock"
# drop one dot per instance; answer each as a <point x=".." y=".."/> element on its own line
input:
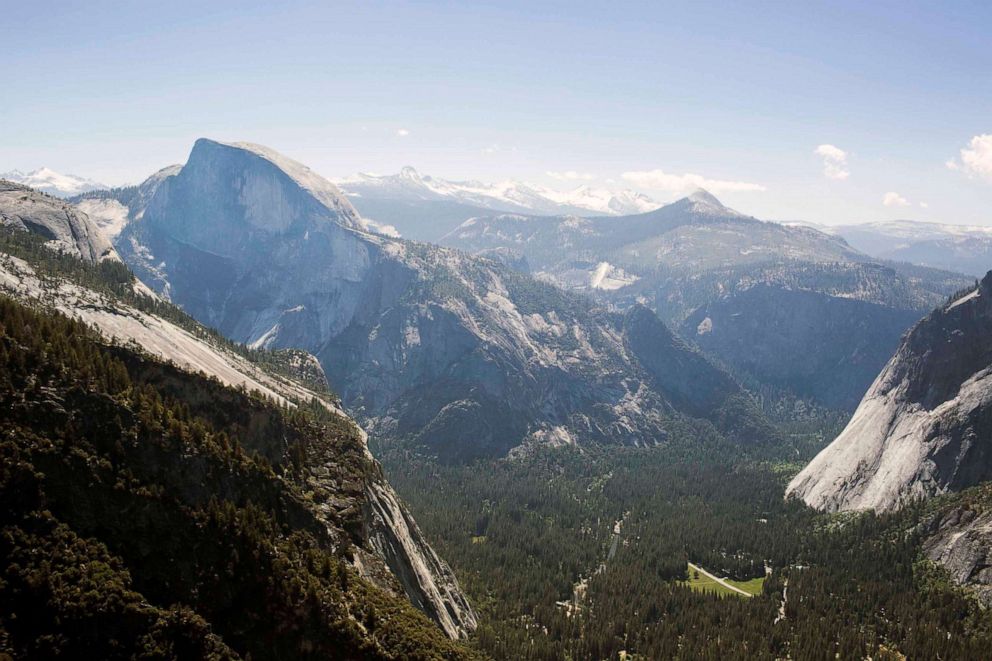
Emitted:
<point x="961" y="541"/>
<point x="65" y="227"/>
<point x="925" y="425"/>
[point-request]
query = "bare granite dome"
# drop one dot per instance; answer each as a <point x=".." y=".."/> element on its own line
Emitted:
<point x="925" y="425"/>
<point x="65" y="226"/>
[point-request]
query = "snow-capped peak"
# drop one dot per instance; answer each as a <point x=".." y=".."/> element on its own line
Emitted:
<point x="49" y="181"/>
<point x="507" y="195"/>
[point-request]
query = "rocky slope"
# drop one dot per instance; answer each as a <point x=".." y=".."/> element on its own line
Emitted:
<point x="57" y="221"/>
<point x="388" y="548"/>
<point x="459" y="354"/>
<point x="925" y="425"/>
<point x="959" y="538"/>
<point x="696" y="259"/>
<point x="153" y="512"/>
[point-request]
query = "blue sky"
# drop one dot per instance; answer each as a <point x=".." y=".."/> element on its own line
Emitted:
<point x="631" y="94"/>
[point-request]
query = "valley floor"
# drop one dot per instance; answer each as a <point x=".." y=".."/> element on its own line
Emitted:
<point x="647" y="520"/>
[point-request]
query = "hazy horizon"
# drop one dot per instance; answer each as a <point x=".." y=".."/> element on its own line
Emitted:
<point x="826" y="113"/>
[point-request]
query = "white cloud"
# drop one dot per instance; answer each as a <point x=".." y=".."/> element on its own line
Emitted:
<point x="976" y="158"/>
<point x="491" y="149"/>
<point x="834" y="162"/>
<point x="678" y="183"/>
<point x="892" y="199"/>
<point x="402" y="133"/>
<point x="571" y="175"/>
<point x="924" y="205"/>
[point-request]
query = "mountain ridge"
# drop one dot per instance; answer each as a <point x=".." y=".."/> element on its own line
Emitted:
<point x="426" y="344"/>
<point x="694" y="258"/>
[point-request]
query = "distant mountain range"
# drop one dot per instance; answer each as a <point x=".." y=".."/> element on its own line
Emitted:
<point x="720" y="277"/>
<point x="710" y="272"/>
<point x="962" y="248"/>
<point x="49" y="181"/>
<point x="423" y="207"/>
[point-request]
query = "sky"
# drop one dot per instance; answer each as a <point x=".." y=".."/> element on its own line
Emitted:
<point x="834" y="112"/>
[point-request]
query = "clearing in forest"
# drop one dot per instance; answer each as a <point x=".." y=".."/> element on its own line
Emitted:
<point x="703" y="581"/>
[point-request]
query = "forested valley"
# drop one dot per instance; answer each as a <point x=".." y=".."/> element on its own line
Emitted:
<point x="583" y="554"/>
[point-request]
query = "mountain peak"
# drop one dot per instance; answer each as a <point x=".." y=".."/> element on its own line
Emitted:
<point x="703" y="196"/>
<point x="321" y="189"/>
<point x="49" y="181"/>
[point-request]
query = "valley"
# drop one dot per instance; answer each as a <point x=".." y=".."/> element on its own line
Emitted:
<point x="550" y="517"/>
<point x="496" y="331"/>
<point x="472" y="458"/>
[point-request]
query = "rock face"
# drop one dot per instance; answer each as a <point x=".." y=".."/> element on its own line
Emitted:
<point x="463" y="355"/>
<point x="392" y="550"/>
<point x="59" y="222"/>
<point x="826" y="347"/>
<point x="961" y="541"/>
<point x="925" y="425"/>
<point x="426" y="579"/>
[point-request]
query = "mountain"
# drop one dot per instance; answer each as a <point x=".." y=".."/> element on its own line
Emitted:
<point x="51" y="182"/>
<point x="57" y="221"/>
<point x="425" y="208"/>
<point x="113" y="208"/>
<point x="718" y="275"/>
<point x="962" y="248"/>
<point x="696" y="233"/>
<point x="464" y="356"/>
<point x="274" y="411"/>
<point x="925" y="425"/>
